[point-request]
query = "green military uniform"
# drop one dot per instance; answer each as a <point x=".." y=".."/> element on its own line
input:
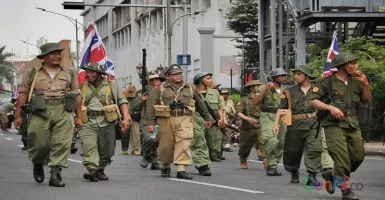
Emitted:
<point x="343" y="137"/>
<point x="250" y="134"/>
<point x="24" y="128"/>
<point x="172" y="106"/>
<point x="125" y="140"/>
<point x="98" y="135"/>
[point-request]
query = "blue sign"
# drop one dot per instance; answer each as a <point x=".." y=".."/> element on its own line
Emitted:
<point x="183" y="59"/>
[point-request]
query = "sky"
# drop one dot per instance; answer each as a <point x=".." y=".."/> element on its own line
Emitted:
<point x="20" y="20"/>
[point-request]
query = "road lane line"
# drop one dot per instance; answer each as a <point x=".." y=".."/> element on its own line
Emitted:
<point x="257" y="161"/>
<point x="20" y="145"/>
<point x="1" y="134"/>
<point x="374" y="158"/>
<point x="72" y="160"/>
<point x="7" y="138"/>
<point x="219" y="186"/>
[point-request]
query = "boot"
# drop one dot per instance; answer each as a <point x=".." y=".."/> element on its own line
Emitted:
<point x="214" y="157"/>
<point x="125" y="152"/>
<point x="228" y="149"/>
<point x="144" y="163"/>
<point x="38" y="172"/>
<point x="155" y="166"/>
<point x="273" y="172"/>
<point x="183" y="175"/>
<point x="348" y="194"/>
<point x="91" y="175"/>
<point x="204" y="170"/>
<point x="100" y="175"/>
<point x="294" y="177"/>
<point x="311" y="179"/>
<point x="328" y="176"/>
<point x="73" y="148"/>
<point x="244" y="164"/>
<point x="220" y="155"/>
<point x="56" y="179"/>
<point x="165" y="172"/>
<point x="24" y="146"/>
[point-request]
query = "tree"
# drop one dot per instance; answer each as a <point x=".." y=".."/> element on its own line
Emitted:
<point x="5" y="72"/>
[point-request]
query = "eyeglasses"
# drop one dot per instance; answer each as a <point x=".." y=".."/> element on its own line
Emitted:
<point x="178" y="74"/>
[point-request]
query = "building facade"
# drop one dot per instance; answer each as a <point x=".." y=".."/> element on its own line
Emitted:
<point x="125" y="31"/>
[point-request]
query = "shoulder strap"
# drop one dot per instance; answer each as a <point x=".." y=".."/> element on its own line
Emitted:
<point x="161" y="94"/>
<point x="288" y="96"/>
<point x="70" y="74"/>
<point x="94" y="93"/>
<point x="32" y="86"/>
<point x="31" y="76"/>
<point x="84" y="91"/>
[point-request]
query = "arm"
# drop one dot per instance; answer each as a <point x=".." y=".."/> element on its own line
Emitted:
<point x="150" y="112"/>
<point x="262" y="93"/>
<point x="337" y="113"/>
<point x="78" y="111"/>
<point x="137" y="103"/>
<point x="200" y="106"/>
<point x="23" y="97"/>
<point x="366" y="94"/>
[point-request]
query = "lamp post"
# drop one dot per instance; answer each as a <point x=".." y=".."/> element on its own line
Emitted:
<point x="23" y="41"/>
<point x="74" y="22"/>
<point x="159" y="70"/>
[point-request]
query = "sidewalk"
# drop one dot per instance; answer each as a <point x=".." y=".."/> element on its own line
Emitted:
<point x="375" y="149"/>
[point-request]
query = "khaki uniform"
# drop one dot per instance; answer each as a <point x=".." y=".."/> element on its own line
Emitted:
<point x="125" y="140"/>
<point x="249" y="134"/>
<point x="230" y="114"/>
<point x="343" y="137"/>
<point x="50" y="136"/>
<point x="175" y="126"/>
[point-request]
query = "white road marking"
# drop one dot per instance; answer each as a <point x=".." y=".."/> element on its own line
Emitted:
<point x="257" y="161"/>
<point x="7" y="138"/>
<point x="20" y="145"/>
<point x="219" y="186"/>
<point x="1" y="134"/>
<point x="374" y="158"/>
<point x="72" y="160"/>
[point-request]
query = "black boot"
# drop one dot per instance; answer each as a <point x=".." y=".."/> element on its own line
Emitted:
<point x="311" y="179"/>
<point x="100" y="175"/>
<point x="220" y="155"/>
<point x="38" y="172"/>
<point x="328" y="176"/>
<point x="144" y="163"/>
<point x="348" y="194"/>
<point x="273" y="172"/>
<point x="73" y="148"/>
<point x="155" y="166"/>
<point x="294" y="177"/>
<point x="56" y="179"/>
<point x="91" y="175"/>
<point x="204" y="170"/>
<point x="183" y="175"/>
<point x="165" y="173"/>
<point x="24" y="146"/>
<point x="214" y="158"/>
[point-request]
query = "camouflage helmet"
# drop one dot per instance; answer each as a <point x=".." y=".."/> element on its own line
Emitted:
<point x="96" y="67"/>
<point x="343" y="58"/>
<point x="252" y="83"/>
<point x="200" y="75"/>
<point x="277" y="72"/>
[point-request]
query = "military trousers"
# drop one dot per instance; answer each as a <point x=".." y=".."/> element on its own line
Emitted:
<point x="24" y="130"/>
<point x="149" y="145"/>
<point x="50" y="137"/>
<point x="212" y="140"/>
<point x="198" y="147"/>
<point x="98" y="144"/>
<point x="226" y="140"/>
<point x="248" y="139"/>
<point x="125" y="140"/>
<point x="135" y="136"/>
<point x="175" y="134"/>
<point x="273" y="145"/>
<point x="346" y="148"/>
<point x="326" y="159"/>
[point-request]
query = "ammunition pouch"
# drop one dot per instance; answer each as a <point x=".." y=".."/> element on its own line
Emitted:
<point x="111" y="113"/>
<point x="70" y="102"/>
<point x="84" y="114"/>
<point x="162" y="111"/>
<point x="38" y="102"/>
<point x="364" y="112"/>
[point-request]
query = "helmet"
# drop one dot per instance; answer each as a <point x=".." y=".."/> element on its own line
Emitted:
<point x="252" y="83"/>
<point x="200" y="75"/>
<point x="96" y="67"/>
<point x="343" y="58"/>
<point x="277" y="72"/>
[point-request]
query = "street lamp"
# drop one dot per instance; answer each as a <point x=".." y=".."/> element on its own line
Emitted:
<point x="139" y="70"/>
<point x="74" y="22"/>
<point x="159" y="70"/>
<point x="30" y="44"/>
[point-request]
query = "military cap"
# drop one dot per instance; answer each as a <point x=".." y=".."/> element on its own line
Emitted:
<point x="253" y="83"/>
<point x="200" y="75"/>
<point x="173" y="69"/>
<point x="96" y="67"/>
<point x="277" y="72"/>
<point x="304" y="69"/>
<point x="215" y="86"/>
<point x="155" y="76"/>
<point x="343" y="58"/>
<point x="130" y="92"/>
<point x="48" y="48"/>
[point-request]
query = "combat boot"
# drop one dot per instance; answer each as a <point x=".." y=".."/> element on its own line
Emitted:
<point x="220" y="155"/>
<point x="183" y="175"/>
<point x="56" y="179"/>
<point x="100" y="175"/>
<point x="294" y="177"/>
<point x="244" y="164"/>
<point x="24" y="146"/>
<point x="214" y="158"/>
<point x="204" y="170"/>
<point x="155" y="166"/>
<point x="311" y="179"/>
<point x="273" y="172"/>
<point x="144" y="163"/>
<point x="165" y="172"/>
<point x="348" y="194"/>
<point x="73" y="148"/>
<point x="330" y="186"/>
<point x="38" y="172"/>
<point x="91" y="175"/>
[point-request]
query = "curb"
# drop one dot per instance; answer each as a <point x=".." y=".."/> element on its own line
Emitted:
<point x="375" y="152"/>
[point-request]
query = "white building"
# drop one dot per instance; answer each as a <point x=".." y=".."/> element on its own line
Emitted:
<point x="126" y="31"/>
<point x="41" y="41"/>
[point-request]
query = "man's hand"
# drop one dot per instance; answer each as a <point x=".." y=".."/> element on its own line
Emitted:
<point x="208" y="123"/>
<point x="337" y="113"/>
<point x="125" y="125"/>
<point x="144" y="97"/>
<point x="269" y="85"/>
<point x="150" y="129"/>
<point x="251" y="120"/>
<point x="79" y="123"/>
<point x="361" y="77"/>
<point x="17" y="122"/>
<point x="275" y="130"/>
<point x="222" y="123"/>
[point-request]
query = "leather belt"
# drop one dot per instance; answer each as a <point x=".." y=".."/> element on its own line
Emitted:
<point x="269" y="110"/>
<point x="180" y="112"/>
<point x="95" y="113"/>
<point x="304" y="115"/>
<point x="54" y="102"/>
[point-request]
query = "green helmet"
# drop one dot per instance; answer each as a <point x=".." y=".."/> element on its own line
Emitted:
<point x="252" y="83"/>
<point x="96" y="67"/>
<point x="277" y="72"/>
<point x="343" y="58"/>
<point x="200" y="75"/>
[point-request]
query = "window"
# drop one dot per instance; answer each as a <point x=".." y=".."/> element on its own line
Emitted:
<point x="206" y="4"/>
<point x="160" y="19"/>
<point x="121" y="16"/>
<point x="154" y="22"/>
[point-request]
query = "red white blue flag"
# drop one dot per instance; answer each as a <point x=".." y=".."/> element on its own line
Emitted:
<point x="333" y="51"/>
<point x="94" y="51"/>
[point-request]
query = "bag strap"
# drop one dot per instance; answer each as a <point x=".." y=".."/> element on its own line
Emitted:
<point x="288" y="96"/>
<point x="108" y="91"/>
<point x="94" y="93"/>
<point x="161" y="94"/>
<point x="115" y="97"/>
<point x="84" y="91"/>
<point x="32" y="86"/>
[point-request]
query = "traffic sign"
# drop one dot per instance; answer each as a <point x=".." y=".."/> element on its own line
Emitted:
<point x="183" y="59"/>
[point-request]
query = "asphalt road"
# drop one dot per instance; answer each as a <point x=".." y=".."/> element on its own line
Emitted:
<point x="129" y="181"/>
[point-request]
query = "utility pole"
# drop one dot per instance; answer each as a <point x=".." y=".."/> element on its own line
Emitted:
<point x="185" y="36"/>
<point x="77" y="45"/>
<point x="169" y="32"/>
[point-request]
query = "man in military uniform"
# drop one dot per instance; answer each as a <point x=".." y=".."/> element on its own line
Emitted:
<point x="268" y="96"/>
<point x="230" y="118"/>
<point x="349" y="87"/>
<point x="301" y="134"/>
<point x="102" y="100"/>
<point x="125" y="140"/>
<point x="53" y="95"/>
<point x="251" y="128"/>
<point x="172" y="106"/>
<point x="138" y="109"/>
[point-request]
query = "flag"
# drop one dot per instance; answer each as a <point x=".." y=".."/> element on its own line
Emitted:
<point x="333" y="51"/>
<point x="95" y="51"/>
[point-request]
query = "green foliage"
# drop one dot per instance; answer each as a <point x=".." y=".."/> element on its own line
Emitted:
<point x="5" y="72"/>
<point x="371" y="62"/>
